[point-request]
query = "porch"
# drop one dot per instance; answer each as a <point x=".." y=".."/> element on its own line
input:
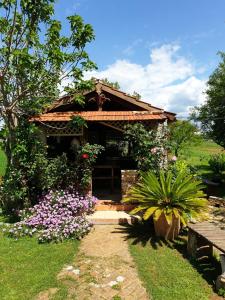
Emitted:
<point x="114" y="170"/>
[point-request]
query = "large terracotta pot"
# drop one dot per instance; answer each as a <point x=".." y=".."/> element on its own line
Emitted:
<point x="163" y="229"/>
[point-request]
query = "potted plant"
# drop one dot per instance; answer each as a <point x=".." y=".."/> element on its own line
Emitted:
<point x="171" y="201"/>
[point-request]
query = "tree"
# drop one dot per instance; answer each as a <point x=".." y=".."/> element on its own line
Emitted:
<point x="182" y="134"/>
<point x="212" y="113"/>
<point x="35" y="59"/>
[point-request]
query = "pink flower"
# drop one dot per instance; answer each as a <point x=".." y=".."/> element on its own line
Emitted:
<point x="85" y="156"/>
<point x="174" y="158"/>
<point x="153" y="150"/>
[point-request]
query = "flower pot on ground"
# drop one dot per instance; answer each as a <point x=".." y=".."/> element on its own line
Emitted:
<point x="170" y="200"/>
<point x="165" y="230"/>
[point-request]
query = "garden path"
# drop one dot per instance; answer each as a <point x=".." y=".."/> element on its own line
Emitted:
<point x="104" y="268"/>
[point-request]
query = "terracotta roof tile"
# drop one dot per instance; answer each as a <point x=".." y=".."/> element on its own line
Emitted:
<point x="100" y="116"/>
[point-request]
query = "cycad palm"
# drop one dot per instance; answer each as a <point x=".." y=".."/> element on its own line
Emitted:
<point x="180" y="197"/>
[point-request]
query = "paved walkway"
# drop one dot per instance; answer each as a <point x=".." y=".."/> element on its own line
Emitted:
<point x="104" y="268"/>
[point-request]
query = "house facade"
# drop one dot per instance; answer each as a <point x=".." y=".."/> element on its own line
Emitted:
<point x="106" y="112"/>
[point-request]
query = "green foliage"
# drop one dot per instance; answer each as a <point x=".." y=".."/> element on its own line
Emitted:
<point x="77" y="122"/>
<point x="217" y="165"/>
<point x="181" y="135"/>
<point x="113" y="84"/>
<point x="35" y="60"/>
<point x="34" y="65"/>
<point x="59" y="174"/>
<point x="148" y="148"/>
<point x="35" y="174"/>
<point x="182" y="166"/>
<point x="211" y="113"/>
<point x="25" y="178"/>
<point x="181" y="196"/>
<point x="135" y="95"/>
<point x="3" y="163"/>
<point x="85" y="158"/>
<point x="62" y="173"/>
<point x="221" y="292"/>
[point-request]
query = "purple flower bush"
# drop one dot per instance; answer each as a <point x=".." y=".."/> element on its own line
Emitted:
<point x="58" y="216"/>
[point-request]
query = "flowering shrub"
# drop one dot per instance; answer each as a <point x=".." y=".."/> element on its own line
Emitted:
<point x="85" y="159"/>
<point x="174" y="158"/>
<point x="148" y="148"/>
<point x="58" y="215"/>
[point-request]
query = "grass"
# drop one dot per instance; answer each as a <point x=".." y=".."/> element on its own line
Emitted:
<point x="165" y="270"/>
<point x="199" y="155"/>
<point x="28" y="268"/>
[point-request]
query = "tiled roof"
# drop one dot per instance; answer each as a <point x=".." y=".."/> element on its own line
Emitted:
<point x="100" y="116"/>
<point x="100" y="85"/>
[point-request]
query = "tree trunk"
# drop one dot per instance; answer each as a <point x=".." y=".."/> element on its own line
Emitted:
<point x="11" y="123"/>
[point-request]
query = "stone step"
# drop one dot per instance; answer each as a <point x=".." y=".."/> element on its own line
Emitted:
<point x="110" y="217"/>
<point x="106" y="205"/>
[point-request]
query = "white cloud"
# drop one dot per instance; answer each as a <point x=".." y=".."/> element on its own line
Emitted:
<point x="131" y="48"/>
<point x="169" y="81"/>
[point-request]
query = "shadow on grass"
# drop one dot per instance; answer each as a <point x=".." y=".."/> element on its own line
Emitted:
<point x="143" y="234"/>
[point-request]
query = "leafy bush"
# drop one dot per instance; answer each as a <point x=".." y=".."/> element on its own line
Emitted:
<point x="181" y="166"/>
<point x="148" y="148"/>
<point x="59" y="173"/>
<point x="58" y="215"/>
<point x="85" y="158"/>
<point x="25" y="174"/>
<point x="217" y="165"/>
<point x="31" y="174"/>
<point x="221" y="292"/>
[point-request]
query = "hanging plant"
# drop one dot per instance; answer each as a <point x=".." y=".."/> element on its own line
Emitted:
<point x="77" y="122"/>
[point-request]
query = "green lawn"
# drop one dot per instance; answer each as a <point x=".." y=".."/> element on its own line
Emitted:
<point x="165" y="270"/>
<point x="199" y="155"/>
<point x="28" y="268"/>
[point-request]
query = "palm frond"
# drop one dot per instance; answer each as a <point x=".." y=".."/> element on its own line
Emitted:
<point x="181" y="196"/>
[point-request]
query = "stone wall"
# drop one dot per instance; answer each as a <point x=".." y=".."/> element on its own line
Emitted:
<point x="216" y="201"/>
<point x="128" y="178"/>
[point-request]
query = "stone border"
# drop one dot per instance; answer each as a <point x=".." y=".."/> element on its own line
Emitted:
<point x="216" y="201"/>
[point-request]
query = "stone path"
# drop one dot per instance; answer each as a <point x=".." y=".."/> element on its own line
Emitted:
<point x="103" y="269"/>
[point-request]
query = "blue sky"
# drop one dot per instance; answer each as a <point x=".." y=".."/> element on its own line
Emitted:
<point x="163" y="49"/>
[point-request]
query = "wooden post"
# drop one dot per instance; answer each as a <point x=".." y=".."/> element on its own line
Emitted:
<point x="220" y="282"/>
<point x="204" y="248"/>
<point x="192" y="244"/>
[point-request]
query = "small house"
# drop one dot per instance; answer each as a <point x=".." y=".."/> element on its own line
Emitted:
<point x="106" y="111"/>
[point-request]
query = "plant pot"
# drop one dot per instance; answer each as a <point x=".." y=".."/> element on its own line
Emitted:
<point x="163" y="229"/>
